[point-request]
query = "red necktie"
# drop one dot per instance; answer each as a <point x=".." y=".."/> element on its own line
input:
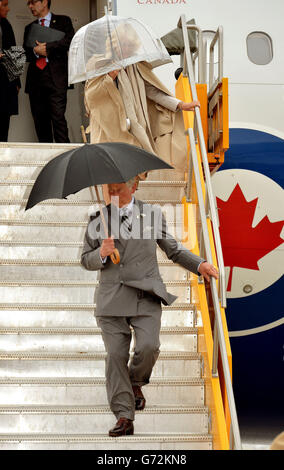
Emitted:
<point x="41" y="62"/>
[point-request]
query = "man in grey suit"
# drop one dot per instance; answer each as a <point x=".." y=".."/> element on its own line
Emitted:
<point x="130" y="293"/>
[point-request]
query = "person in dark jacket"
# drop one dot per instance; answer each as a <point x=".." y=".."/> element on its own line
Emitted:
<point x="47" y="75"/>
<point x="8" y="90"/>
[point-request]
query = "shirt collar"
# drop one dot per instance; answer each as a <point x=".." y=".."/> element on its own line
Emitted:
<point x="47" y="17"/>
<point x="128" y="208"/>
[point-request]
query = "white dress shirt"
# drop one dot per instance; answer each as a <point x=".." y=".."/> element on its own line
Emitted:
<point x="47" y="20"/>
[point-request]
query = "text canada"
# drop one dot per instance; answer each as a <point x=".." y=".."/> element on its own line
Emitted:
<point x="162" y="2"/>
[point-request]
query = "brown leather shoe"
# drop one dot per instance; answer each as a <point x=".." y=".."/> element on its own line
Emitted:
<point x="140" y="400"/>
<point x="123" y="427"/>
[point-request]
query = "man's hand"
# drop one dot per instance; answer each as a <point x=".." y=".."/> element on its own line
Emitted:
<point x="206" y="270"/>
<point x="40" y="49"/>
<point x="107" y="247"/>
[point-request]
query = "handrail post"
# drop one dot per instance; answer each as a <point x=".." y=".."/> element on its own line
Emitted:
<point x="189" y="179"/>
<point x="218" y="37"/>
<point x="211" y="197"/>
<point x="218" y="327"/>
<point x="201" y="62"/>
<point x="215" y="351"/>
<point x="218" y="319"/>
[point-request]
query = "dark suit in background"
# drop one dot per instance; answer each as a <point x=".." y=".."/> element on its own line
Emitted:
<point x="8" y="90"/>
<point x="47" y="88"/>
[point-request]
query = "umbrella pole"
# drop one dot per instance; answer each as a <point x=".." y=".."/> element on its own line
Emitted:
<point x="83" y="134"/>
<point x="115" y="257"/>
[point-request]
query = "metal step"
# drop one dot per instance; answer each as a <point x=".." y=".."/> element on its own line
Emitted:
<point x="84" y="331"/>
<point x="85" y="339"/>
<point x="56" y="262"/>
<point x="77" y="202"/>
<point x="62" y="364"/>
<point x="52" y="359"/>
<point x="92" y="391"/>
<point x="18" y="272"/>
<point x="142" y="184"/>
<point x="153" y="175"/>
<point x="36" y="243"/>
<point x="33" y="149"/>
<point x="72" y="283"/>
<point x="142" y="441"/>
<point x="68" y="306"/>
<point x="99" y="419"/>
<point x="79" y="293"/>
<point x="79" y="319"/>
<point x="52" y="254"/>
<point x="56" y="223"/>
<point x="47" y="215"/>
<point x="20" y="189"/>
<point x="19" y="163"/>
<point x="174" y="339"/>
<point x="163" y="368"/>
<point x="52" y="251"/>
<point x="42" y="233"/>
<point x="82" y="356"/>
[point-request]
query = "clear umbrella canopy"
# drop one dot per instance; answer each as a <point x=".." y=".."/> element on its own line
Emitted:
<point x="112" y="43"/>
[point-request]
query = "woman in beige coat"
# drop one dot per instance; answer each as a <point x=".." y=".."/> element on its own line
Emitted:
<point x="131" y="105"/>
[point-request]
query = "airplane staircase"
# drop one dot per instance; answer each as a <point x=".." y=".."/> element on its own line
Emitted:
<point x="52" y="385"/>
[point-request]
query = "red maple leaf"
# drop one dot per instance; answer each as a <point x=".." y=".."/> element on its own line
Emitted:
<point x="244" y="245"/>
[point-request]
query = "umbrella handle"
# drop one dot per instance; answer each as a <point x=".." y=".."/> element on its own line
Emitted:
<point x="115" y="257"/>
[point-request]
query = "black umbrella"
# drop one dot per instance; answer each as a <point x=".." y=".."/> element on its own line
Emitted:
<point x="90" y="165"/>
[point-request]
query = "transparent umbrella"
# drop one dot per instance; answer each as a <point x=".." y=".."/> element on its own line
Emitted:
<point x="112" y="43"/>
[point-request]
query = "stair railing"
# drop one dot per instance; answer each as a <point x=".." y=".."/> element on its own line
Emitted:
<point x="210" y="204"/>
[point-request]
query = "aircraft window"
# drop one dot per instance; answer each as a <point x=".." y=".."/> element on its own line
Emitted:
<point x="259" y="48"/>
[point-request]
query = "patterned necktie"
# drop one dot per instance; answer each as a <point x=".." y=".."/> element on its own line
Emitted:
<point x="41" y="62"/>
<point x="126" y="223"/>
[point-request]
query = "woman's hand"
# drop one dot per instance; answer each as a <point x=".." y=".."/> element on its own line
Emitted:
<point x="189" y="106"/>
<point x="113" y="74"/>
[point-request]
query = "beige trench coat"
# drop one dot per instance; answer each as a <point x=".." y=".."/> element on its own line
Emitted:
<point x="107" y="115"/>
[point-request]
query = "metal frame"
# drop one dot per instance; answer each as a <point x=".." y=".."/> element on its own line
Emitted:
<point x="199" y="53"/>
<point x="188" y="67"/>
<point x="218" y="38"/>
<point x="113" y="6"/>
<point x="219" y="337"/>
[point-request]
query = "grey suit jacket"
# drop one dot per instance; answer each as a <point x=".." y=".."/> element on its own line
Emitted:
<point x="117" y="294"/>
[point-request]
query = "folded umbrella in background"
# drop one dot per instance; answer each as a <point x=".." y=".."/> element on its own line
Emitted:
<point x="42" y="34"/>
<point x="173" y="41"/>
<point x="14" y="60"/>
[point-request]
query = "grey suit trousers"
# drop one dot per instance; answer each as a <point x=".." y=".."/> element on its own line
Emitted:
<point x="122" y="373"/>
